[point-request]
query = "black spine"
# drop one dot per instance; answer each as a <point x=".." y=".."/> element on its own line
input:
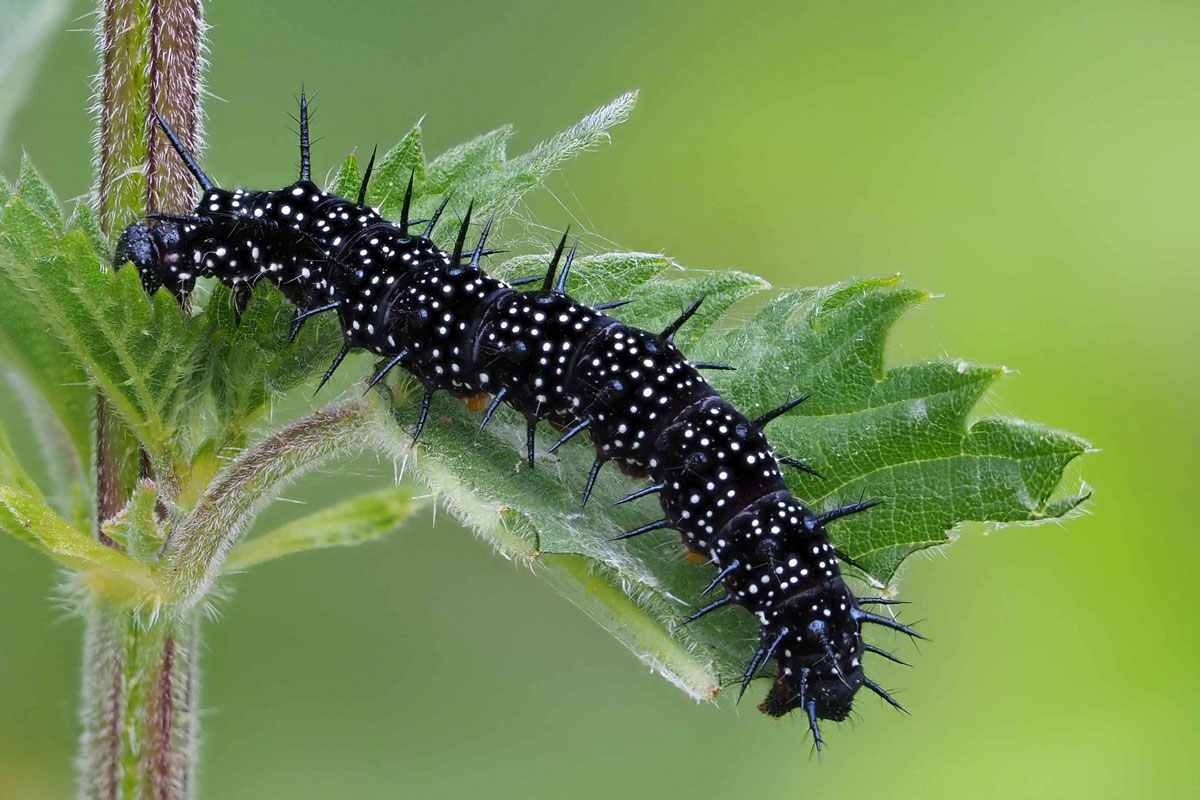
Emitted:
<point x="550" y="357"/>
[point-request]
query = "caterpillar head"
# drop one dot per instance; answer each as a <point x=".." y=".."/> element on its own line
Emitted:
<point x="137" y="246"/>
<point x="154" y="248"/>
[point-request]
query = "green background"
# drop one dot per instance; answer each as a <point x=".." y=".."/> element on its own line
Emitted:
<point x="1036" y="163"/>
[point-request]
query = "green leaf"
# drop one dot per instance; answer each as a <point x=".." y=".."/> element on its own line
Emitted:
<point x="478" y="170"/>
<point x="139" y="350"/>
<point x="596" y="279"/>
<point x="12" y="474"/>
<point x="36" y="193"/>
<point x="361" y="519"/>
<point x="51" y="385"/>
<point x="86" y="221"/>
<point x="136" y="527"/>
<point x="500" y="188"/>
<point x="391" y="174"/>
<point x="903" y="435"/>
<point x="348" y="178"/>
<point x="36" y="524"/>
<point x="250" y="361"/>
<point x="589" y="132"/>
<point x="474" y="159"/>
<point x="660" y="303"/>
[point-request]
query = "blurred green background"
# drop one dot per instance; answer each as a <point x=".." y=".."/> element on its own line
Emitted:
<point x="1036" y="163"/>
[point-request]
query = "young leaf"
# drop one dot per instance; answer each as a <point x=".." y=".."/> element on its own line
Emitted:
<point x="599" y="278"/>
<point x="393" y="171"/>
<point x="138" y="349"/>
<point x="361" y="519"/>
<point x="86" y="221"/>
<point x="528" y="170"/>
<point x="347" y="180"/>
<point x="36" y="193"/>
<point x="478" y="170"/>
<point x="459" y="165"/>
<point x="136" y="528"/>
<point x="499" y="188"/>
<point x="250" y="361"/>
<point x="901" y="435"/>
<point x="36" y="524"/>
<point x="660" y="303"/>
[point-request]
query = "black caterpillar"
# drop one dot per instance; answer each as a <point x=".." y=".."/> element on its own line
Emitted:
<point x="438" y="315"/>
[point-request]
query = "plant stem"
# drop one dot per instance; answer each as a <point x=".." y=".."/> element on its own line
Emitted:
<point x="195" y="552"/>
<point x="139" y="721"/>
<point x="150" y="61"/>
<point x="139" y="691"/>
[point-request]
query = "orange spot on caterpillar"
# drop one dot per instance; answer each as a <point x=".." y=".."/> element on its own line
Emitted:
<point x="477" y="403"/>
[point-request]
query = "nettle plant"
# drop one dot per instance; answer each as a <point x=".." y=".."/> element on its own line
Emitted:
<point x="159" y="452"/>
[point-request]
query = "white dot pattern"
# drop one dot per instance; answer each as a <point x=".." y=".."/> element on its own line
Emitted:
<point x="648" y="409"/>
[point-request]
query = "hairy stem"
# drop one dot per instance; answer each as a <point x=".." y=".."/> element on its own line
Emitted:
<point x="122" y="111"/>
<point x="150" y="60"/>
<point x="176" y="41"/>
<point x="139" y="718"/>
<point x="139" y="730"/>
<point x="196" y="550"/>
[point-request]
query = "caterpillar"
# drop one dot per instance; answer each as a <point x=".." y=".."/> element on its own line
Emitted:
<point x="441" y="317"/>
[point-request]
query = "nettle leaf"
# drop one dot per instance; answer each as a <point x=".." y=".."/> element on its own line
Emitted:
<point x="139" y="350"/>
<point x="392" y="172"/>
<point x="902" y="435"/>
<point x="37" y="194"/>
<point x="389" y="176"/>
<point x="528" y="170"/>
<point x="85" y="220"/>
<point x="347" y="179"/>
<point x="356" y="521"/>
<point x="250" y="361"/>
<point x="475" y="159"/>
<point x="136" y="528"/>
<point x="34" y="523"/>
<point x="478" y="170"/>
<point x="12" y="474"/>
<point x="52" y="386"/>
<point x="593" y="276"/>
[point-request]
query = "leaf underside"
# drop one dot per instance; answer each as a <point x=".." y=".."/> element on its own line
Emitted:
<point x="190" y="386"/>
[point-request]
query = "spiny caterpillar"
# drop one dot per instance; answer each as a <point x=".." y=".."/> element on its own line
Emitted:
<point x="440" y="316"/>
